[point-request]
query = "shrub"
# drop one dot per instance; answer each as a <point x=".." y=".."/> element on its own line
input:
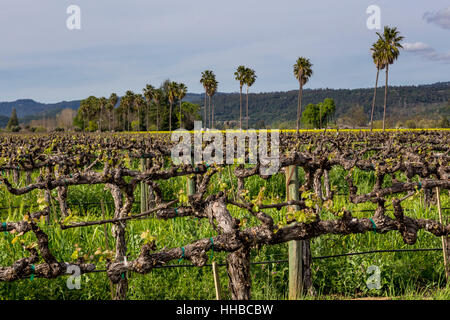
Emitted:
<point x="40" y="129"/>
<point x="411" y="124"/>
<point x="92" y="126"/>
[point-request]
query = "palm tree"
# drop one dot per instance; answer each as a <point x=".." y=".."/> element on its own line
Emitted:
<point x="158" y="95"/>
<point x="390" y="52"/>
<point x="302" y="72"/>
<point x="250" y="78"/>
<point x="139" y="101"/>
<point x="181" y="93"/>
<point x="377" y="55"/>
<point x="212" y="89"/>
<point x="84" y="111"/>
<point x="103" y="102"/>
<point x="129" y="95"/>
<point x="112" y="101"/>
<point x="171" y="95"/>
<point x="207" y="75"/>
<point x="240" y="76"/>
<point x="89" y="110"/>
<point x="126" y="103"/>
<point x="148" y="92"/>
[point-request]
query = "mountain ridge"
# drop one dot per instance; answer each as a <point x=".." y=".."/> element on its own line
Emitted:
<point x="429" y="100"/>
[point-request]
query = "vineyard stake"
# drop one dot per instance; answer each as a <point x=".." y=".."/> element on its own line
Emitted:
<point x="231" y="182"/>
<point x="111" y="286"/>
<point x="190" y="182"/>
<point x="190" y="186"/>
<point x="216" y="280"/>
<point x="445" y="242"/>
<point x="105" y="228"/>
<point x="295" y="247"/>
<point x="144" y="192"/>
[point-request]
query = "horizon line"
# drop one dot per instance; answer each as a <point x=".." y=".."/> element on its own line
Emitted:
<point x="260" y="92"/>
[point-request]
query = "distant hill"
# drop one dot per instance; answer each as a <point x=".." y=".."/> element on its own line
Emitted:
<point x="28" y="107"/>
<point x="427" y="101"/>
<point x="3" y="121"/>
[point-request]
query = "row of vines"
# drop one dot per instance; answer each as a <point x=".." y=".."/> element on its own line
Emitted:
<point x="62" y="161"/>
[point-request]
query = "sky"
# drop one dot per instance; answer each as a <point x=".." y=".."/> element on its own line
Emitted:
<point x="124" y="45"/>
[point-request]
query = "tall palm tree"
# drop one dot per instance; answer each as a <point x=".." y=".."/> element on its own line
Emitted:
<point x="181" y="93"/>
<point x="103" y="102"/>
<point x="302" y="72"/>
<point x="148" y="92"/>
<point x="84" y="111"/>
<point x="390" y="52"/>
<point x="127" y="101"/>
<point x="212" y="89"/>
<point x="377" y="56"/>
<point x="158" y="95"/>
<point x="207" y="75"/>
<point x="240" y="76"/>
<point x="112" y="101"/>
<point x="139" y="102"/>
<point x="171" y="95"/>
<point x="250" y="78"/>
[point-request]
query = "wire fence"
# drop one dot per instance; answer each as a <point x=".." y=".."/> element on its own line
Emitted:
<point x="87" y="204"/>
<point x="171" y="266"/>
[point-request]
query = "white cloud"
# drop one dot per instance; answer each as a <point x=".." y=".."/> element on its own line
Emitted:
<point x="426" y="51"/>
<point x="440" y="18"/>
<point x="417" y="46"/>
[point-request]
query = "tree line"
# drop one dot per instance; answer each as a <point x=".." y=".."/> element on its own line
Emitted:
<point x="154" y="109"/>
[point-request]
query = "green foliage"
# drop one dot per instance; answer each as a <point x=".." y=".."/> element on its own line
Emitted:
<point x="14" y="129"/>
<point x="78" y="121"/>
<point x="319" y="115"/>
<point x="135" y="125"/>
<point x="190" y="112"/>
<point x="13" y="120"/>
<point x="92" y="127"/>
<point x="38" y="129"/>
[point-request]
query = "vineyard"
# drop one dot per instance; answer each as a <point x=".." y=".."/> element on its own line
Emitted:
<point x="116" y="207"/>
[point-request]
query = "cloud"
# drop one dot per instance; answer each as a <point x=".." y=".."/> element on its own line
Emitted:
<point x="426" y="51"/>
<point x="417" y="47"/>
<point x="440" y="18"/>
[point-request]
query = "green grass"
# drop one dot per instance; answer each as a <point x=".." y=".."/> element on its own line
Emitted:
<point x="408" y="275"/>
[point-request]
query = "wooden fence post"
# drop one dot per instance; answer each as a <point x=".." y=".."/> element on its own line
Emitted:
<point x="295" y="247"/>
<point x="445" y="240"/>
<point x="300" y="281"/>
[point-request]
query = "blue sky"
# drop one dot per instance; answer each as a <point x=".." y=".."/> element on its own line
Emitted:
<point x="126" y="44"/>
